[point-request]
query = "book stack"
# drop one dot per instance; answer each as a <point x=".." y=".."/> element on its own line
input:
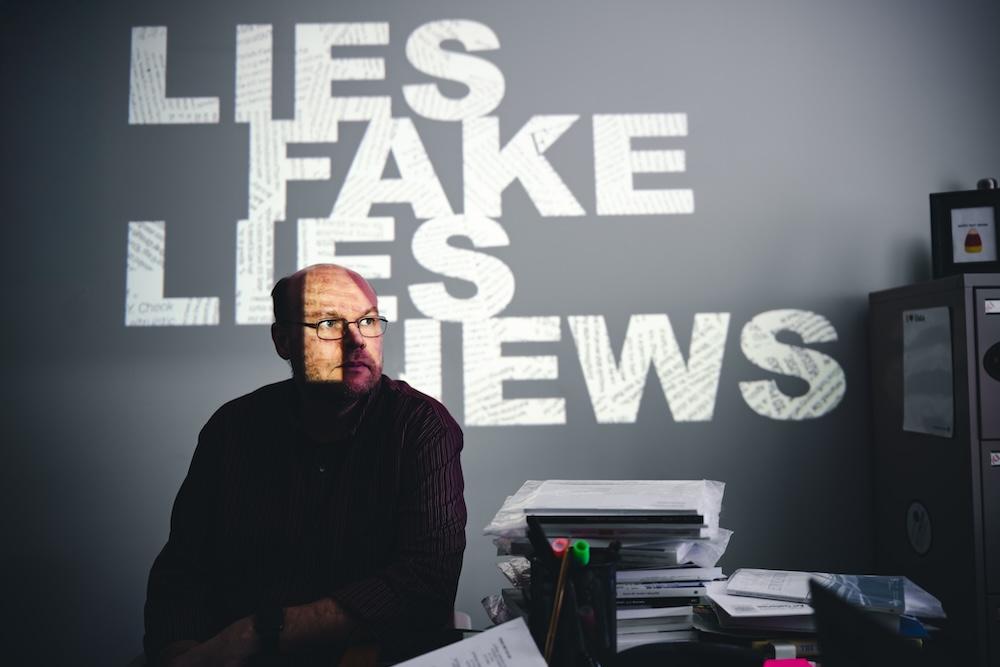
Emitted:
<point x="656" y="605"/>
<point x="774" y="604"/>
<point x="666" y="531"/>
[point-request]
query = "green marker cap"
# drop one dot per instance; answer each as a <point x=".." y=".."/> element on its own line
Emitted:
<point x="581" y="551"/>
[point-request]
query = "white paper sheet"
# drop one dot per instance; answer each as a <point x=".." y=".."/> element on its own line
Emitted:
<point x="771" y="584"/>
<point x="745" y="607"/>
<point x="928" y="400"/>
<point x="506" y="645"/>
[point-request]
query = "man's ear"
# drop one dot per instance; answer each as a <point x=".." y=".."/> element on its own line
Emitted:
<point x="279" y="334"/>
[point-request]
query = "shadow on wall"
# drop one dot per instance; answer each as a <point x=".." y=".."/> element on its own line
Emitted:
<point x="919" y="261"/>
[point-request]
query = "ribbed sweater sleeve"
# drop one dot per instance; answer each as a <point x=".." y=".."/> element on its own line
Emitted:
<point x="177" y="596"/>
<point x="416" y="590"/>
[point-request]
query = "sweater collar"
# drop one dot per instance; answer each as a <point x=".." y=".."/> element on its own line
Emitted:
<point x="351" y="423"/>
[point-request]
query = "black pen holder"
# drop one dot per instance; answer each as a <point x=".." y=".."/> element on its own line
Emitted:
<point x="586" y="632"/>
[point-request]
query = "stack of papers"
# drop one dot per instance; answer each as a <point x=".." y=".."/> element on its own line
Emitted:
<point x="637" y="626"/>
<point x="777" y="601"/>
<point x="659" y="523"/>
<point x="668" y="535"/>
<point x="766" y="615"/>
<point x="869" y="592"/>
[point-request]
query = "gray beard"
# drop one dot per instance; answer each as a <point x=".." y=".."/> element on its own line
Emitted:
<point x="332" y="391"/>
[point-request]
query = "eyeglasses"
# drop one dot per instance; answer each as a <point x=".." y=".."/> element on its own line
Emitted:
<point x="368" y="326"/>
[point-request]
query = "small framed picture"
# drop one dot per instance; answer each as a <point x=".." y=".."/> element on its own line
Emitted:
<point x="964" y="228"/>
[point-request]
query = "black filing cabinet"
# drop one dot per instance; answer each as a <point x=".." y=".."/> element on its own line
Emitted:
<point x="935" y="380"/>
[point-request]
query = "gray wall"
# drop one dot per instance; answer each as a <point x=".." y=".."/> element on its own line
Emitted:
<point x="815" y="132"/>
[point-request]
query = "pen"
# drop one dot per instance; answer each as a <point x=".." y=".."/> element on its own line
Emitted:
<point x="581" y="553"/>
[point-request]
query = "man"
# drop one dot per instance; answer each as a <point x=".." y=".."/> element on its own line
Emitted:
<point x="316" y="511"/>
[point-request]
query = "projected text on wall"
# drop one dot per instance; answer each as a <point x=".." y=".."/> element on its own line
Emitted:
<point x="615" y="379"/>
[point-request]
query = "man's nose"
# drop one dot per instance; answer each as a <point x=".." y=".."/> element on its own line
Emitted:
<point x="352" y="335"/>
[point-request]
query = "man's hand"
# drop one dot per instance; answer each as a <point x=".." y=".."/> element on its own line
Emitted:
<point x="306" y="627"/>
<point x="229" y="648"/>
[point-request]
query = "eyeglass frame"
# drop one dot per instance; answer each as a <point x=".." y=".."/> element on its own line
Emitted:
<point x="344" y="324"/>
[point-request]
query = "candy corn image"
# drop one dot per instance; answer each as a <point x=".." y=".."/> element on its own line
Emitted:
<point x="973" y="242"/>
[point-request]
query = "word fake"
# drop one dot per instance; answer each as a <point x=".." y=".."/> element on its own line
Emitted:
<point x="615" y="379"/>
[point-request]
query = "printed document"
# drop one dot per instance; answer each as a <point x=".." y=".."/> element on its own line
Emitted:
<point x="507" y="645"/>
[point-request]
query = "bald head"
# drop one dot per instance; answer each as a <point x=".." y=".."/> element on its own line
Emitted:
<point x="350" y="364"/>
<point x="288" y="292"/>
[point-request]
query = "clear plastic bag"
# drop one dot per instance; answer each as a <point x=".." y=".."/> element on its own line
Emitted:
<point x="517" y="570"/>
<point x="497" y="610"/>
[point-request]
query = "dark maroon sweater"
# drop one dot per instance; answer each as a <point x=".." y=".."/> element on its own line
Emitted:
<point x="267" y="516"/>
